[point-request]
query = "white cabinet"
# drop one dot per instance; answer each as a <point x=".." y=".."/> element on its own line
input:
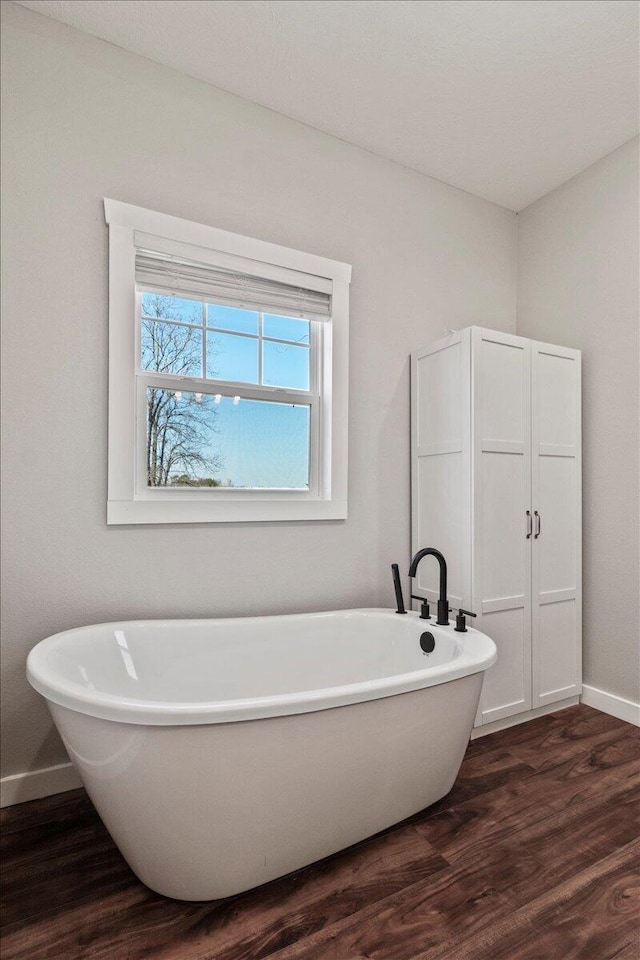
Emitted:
<point x="496" y="487"/>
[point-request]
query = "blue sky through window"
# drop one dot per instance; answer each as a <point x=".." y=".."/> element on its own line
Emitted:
<point x="232" y="358"/>
<point x="285" y="365"/>
<point x="263" y="444"/>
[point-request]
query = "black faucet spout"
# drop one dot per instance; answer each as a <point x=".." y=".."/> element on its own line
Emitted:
<point x="443" y="602"/>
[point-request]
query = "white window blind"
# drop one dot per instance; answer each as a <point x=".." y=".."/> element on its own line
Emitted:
<point x="181" y="277"/>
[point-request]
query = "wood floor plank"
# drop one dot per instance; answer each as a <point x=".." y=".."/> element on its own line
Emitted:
<point x="58" y="865"/>
<point x="511" y="811"/>
<point x="612" y="767"/>
<point x="489" y="883"/>
<point x="578" y="729"/>
<point x="528" y="854"/>
<point x="631" y="951"/>
<point x="28" y="816"/>
<point x="593" y="915"/>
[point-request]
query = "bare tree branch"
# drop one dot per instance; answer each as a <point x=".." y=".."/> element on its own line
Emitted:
<point x="178" y="428"/>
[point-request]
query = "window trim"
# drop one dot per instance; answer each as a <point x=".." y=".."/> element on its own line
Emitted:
<point x="127" y="503"/>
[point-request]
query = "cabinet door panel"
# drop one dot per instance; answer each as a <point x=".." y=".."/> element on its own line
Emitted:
<point x="438" y="523"/>
<point x="504" y="405"/>
<point x="507" y="685"/>
<point x="438" y="413"/>
<point x="556" y="504"/>
<point x="556" y="649"/>
<point x="556" y="495"/>
<point x="501" y="498"/>
<point x="555" y="398"/>
<point x="505" y="490"/>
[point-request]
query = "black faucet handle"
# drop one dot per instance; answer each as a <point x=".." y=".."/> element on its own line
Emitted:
<point x="461" y="623"/>
<point x="424" y="609"/>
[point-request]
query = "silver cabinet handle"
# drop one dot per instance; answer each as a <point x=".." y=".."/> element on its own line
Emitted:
<point x="538" y="524"/>
<point x="529" y="524"/>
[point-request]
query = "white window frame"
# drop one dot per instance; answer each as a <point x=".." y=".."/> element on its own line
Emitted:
<point x="130" y="500"/>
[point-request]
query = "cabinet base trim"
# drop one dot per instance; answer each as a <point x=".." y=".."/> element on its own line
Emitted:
<point x="523" y="717"/>
<point x="612" y="704"/>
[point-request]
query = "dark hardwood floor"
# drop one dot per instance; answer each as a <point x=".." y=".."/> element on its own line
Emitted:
<point x="534" y="855"/>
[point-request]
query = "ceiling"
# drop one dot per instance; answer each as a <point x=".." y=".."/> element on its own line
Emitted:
<point x="506" y="99"/>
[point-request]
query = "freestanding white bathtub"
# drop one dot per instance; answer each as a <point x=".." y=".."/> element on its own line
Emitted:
<point x="223" y="753"/>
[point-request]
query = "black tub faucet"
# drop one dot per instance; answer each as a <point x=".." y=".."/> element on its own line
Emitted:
<point x="443" y="602"/>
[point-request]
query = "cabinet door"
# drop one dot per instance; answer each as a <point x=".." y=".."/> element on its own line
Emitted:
<point x="440" y="463"/>
<point x="556" y="498"/>
<point x="501" y="499"/>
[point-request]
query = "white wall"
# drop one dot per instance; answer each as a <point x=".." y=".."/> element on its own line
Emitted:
<point x="578" y="286"/>
<point x="84" y="120"/>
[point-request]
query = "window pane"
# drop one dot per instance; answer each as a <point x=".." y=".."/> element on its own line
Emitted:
<point x="199" y="440"/>
<point x="162" y="307"/>
<point x="284" y="365"/>
<point x="232" y="358"/>
<point x="264" y="444"/>
<point x="182" y="445"/>
<point x="171" y="349"/>
<point x="286" y="328"/>
<point x="229" y="318"/>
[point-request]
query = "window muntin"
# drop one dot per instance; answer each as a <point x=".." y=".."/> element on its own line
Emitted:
<point x="232" y="319"/>
<point x="286" y="328"/>
<point x="201" y="439"/>
<point x="177" y="309"/>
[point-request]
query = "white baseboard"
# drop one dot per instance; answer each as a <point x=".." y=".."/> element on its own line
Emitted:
<point x="612" y="704"/>
<point x="38" y="783"/>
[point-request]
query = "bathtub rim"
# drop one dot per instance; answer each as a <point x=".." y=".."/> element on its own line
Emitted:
<point x="478" y="653"/>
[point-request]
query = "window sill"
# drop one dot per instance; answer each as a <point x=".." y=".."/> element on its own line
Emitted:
<point x="191" y="511"/>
